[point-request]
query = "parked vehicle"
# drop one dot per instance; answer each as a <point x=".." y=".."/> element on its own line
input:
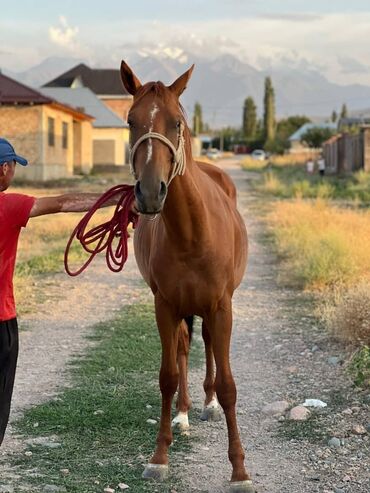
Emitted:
<point x="259" y="154"/>
<point x="214" y="153"/>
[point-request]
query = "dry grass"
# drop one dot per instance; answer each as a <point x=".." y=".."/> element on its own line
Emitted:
<point x="251" y="164"/>
<point x="346" y="313"/>
<point x="322" y="246"/>
<point x="326" y="248"/>
<point x="293" y="159"/>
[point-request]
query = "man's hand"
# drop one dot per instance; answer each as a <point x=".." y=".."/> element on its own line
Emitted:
<point x="73" y="202"/>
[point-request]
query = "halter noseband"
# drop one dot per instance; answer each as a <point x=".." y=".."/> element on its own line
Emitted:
<point x="179" y="157"/>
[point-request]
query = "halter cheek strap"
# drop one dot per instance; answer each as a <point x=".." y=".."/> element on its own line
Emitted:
<point x="179" y="157"/>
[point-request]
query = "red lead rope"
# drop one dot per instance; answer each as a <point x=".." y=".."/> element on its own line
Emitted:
<point x="110" y="236"/>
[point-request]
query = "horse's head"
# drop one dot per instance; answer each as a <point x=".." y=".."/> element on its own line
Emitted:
<point x="157" y="124"/>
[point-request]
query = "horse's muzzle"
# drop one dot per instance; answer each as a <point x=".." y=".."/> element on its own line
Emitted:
<point x="150" y="200"/>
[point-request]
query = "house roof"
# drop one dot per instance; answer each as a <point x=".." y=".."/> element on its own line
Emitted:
<point x="85" y="100"/>
<point x="298" y="134"/>
<point x="103" y="82"/>
<point x="14" y="92"/>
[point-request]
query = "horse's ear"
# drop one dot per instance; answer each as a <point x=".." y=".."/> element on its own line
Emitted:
<point x="129" y="79"/>
<point x="179" y="86"/>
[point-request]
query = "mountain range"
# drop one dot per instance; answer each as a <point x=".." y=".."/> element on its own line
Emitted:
<point x="221" y="84"/>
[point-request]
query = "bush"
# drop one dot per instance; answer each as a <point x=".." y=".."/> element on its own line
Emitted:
<point x="359" y="367"/>
<point x="346" y="313"/>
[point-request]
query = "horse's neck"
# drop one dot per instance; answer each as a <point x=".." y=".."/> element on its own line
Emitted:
<point x="184" y="210"/>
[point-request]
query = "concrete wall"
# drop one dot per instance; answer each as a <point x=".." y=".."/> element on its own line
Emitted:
<point x="101" y="137"/>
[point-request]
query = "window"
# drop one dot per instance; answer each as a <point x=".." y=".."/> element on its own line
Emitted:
<point x="51" y="132"/>
<point x="65" y="135"/>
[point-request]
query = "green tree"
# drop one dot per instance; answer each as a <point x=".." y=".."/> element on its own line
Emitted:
<point x="316" y="136"/>
<point x="344" y="111"/>
<point x="269" y="124"/>
<point x="334" y="116"/>
<point x="249" y="119"/>
<point x="198" y="126"/>
<point x="285" y="128"/>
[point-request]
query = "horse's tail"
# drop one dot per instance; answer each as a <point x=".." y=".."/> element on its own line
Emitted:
<point x="190" y="323"/>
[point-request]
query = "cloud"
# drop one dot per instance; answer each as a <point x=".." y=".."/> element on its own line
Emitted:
<point x="64" y="35"/>
<point x="291" y="17"/>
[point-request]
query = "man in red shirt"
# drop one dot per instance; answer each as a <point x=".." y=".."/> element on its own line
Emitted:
<point x="15" y="211"/>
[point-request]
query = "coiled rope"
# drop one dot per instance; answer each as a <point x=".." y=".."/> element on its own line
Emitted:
<point x="105" y="236"/>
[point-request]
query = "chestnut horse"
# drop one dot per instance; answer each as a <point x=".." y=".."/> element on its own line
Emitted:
<point x="191" y="248"/>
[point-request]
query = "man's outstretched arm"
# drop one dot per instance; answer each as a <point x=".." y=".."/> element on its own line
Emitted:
<point x="70" y="202"/>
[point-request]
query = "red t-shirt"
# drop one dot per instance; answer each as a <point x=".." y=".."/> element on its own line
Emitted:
<point x="15" y="211"/>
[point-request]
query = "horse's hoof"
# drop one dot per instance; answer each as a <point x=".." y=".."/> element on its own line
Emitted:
<point x="158" y="472"/>
<point x="181" y="421"/>
<point x="211" y="414"/>
<point x="242" y="487"/>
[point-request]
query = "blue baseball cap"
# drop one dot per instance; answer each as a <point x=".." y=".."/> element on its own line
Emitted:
<point x="7" y="154"/>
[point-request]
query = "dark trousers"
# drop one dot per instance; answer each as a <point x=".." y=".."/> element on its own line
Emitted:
<point x="8" y="364"/>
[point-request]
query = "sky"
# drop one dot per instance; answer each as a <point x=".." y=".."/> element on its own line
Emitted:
<point x="331" y="36"/>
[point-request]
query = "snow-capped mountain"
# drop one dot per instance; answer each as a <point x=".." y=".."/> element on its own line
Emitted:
<point x="222" y="83"/>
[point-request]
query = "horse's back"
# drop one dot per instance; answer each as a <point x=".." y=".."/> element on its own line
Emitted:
<point x="221" y="178"/>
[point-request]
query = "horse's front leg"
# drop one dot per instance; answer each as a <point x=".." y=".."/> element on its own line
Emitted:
<point x="183" y="399"/>
<point x="219" y="324"/>
<point x="168" y="326"/>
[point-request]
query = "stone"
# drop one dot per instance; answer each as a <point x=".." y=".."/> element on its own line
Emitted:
<point x="359" y="430"/>
<point x="52" y="488"/>
<point x="109" y="490"/>
<point x="48" y="442"/>
<point x="6" y="488"/>
<point x="334" y="360"/>
<point x="275" y="408"/>
<point x="64" y="471"/>
<point x="334" y="442"/>
<point x="123" y="486"/>
<point x="151" y="421"/>
<point x="299" y="413"/>
<point x="28" y="453"/>
<point x="347" y="411"/>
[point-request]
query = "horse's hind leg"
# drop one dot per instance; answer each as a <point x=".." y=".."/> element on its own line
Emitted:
<point x="168" y="326"/>
<point x="183" y="403"/>
<point x="219" y="324"/>
<point x="211" y="410"/>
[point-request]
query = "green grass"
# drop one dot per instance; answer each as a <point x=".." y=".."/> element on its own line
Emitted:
<point x="359" y="367"/>
<point x="291" y="181"/>
<point x="312" y="430"/>
<point x="49" y="263"/>
<point x="118" y="378"/>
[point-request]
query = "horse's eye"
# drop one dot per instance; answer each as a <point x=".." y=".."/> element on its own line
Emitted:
<point x="178" y="123"/>
<point x="130" y="123"/>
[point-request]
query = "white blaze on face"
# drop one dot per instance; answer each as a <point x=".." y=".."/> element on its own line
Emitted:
<point x="153" y="112"/>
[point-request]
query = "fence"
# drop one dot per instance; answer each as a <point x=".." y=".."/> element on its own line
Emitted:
<point x="345" y="153"/>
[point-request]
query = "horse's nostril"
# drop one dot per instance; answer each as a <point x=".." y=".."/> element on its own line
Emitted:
<point x="163" y="189"/>
<point x="138" y="192"/>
